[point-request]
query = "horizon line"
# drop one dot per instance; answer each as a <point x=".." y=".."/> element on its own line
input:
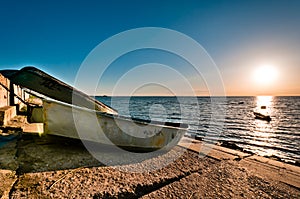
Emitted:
<point x="297" y="95"/>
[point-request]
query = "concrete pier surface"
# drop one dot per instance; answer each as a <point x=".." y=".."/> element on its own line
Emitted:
<point x="34" y="166"/>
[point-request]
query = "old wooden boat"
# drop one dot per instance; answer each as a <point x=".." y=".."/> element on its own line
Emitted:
<point x="71" y="121"/>
<point x="71" y="113"/>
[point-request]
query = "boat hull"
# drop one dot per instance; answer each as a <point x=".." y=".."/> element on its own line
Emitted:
<point x="75" y="122"/>
<point x="262" y="116"/>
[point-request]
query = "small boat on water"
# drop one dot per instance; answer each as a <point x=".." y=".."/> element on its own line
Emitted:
<point x="73" y="114"/>
<point x="261" y="116"/>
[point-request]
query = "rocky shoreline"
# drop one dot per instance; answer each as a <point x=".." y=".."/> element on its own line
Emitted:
<point x="234" y="146"/>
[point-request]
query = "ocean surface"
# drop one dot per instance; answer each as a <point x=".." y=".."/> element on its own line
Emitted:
<point x="226" y="119"/>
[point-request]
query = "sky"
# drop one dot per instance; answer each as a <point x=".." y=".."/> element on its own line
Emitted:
<point x="255" y="45"/>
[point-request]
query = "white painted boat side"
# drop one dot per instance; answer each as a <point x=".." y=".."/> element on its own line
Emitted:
<point x="81" y="123"/>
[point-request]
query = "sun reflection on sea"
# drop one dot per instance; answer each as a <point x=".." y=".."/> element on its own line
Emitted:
<point x="264" y="101"/>
<point x="264" y="105"/>
<point x="263" y="130"/>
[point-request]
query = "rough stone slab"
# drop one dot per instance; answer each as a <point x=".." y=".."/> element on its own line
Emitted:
<point x="20" y="121"/>
<point x="273" y="169"/>
<point x="33" y="128"/>
<point x="224" y="180"/>
<point x="8" y="167"/>
<point x="8" y="159"/>
<point x="6" y="114"/>
<point x="7" y="179"/>
<point x="4" y="94"/>
<point x="266" y="167"/>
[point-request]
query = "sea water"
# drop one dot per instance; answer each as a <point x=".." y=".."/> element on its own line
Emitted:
<point x="226" y="119"/>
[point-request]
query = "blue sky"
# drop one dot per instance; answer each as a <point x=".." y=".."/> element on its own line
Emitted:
<point x="56" y="36"/>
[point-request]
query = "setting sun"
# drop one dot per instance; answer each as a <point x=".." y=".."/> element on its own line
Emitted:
<point x="265" y="74"/>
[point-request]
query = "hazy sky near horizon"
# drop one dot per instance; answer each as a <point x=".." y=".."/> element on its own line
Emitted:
<point x="255" y="44"/>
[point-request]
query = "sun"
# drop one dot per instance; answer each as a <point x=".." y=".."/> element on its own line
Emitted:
<point x="265" y="74"/>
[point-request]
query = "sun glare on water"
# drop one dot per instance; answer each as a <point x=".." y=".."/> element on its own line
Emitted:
<point x="265" y="74"/>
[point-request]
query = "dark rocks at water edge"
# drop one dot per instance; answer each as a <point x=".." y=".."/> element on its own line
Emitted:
<point x="231" y="145"/>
